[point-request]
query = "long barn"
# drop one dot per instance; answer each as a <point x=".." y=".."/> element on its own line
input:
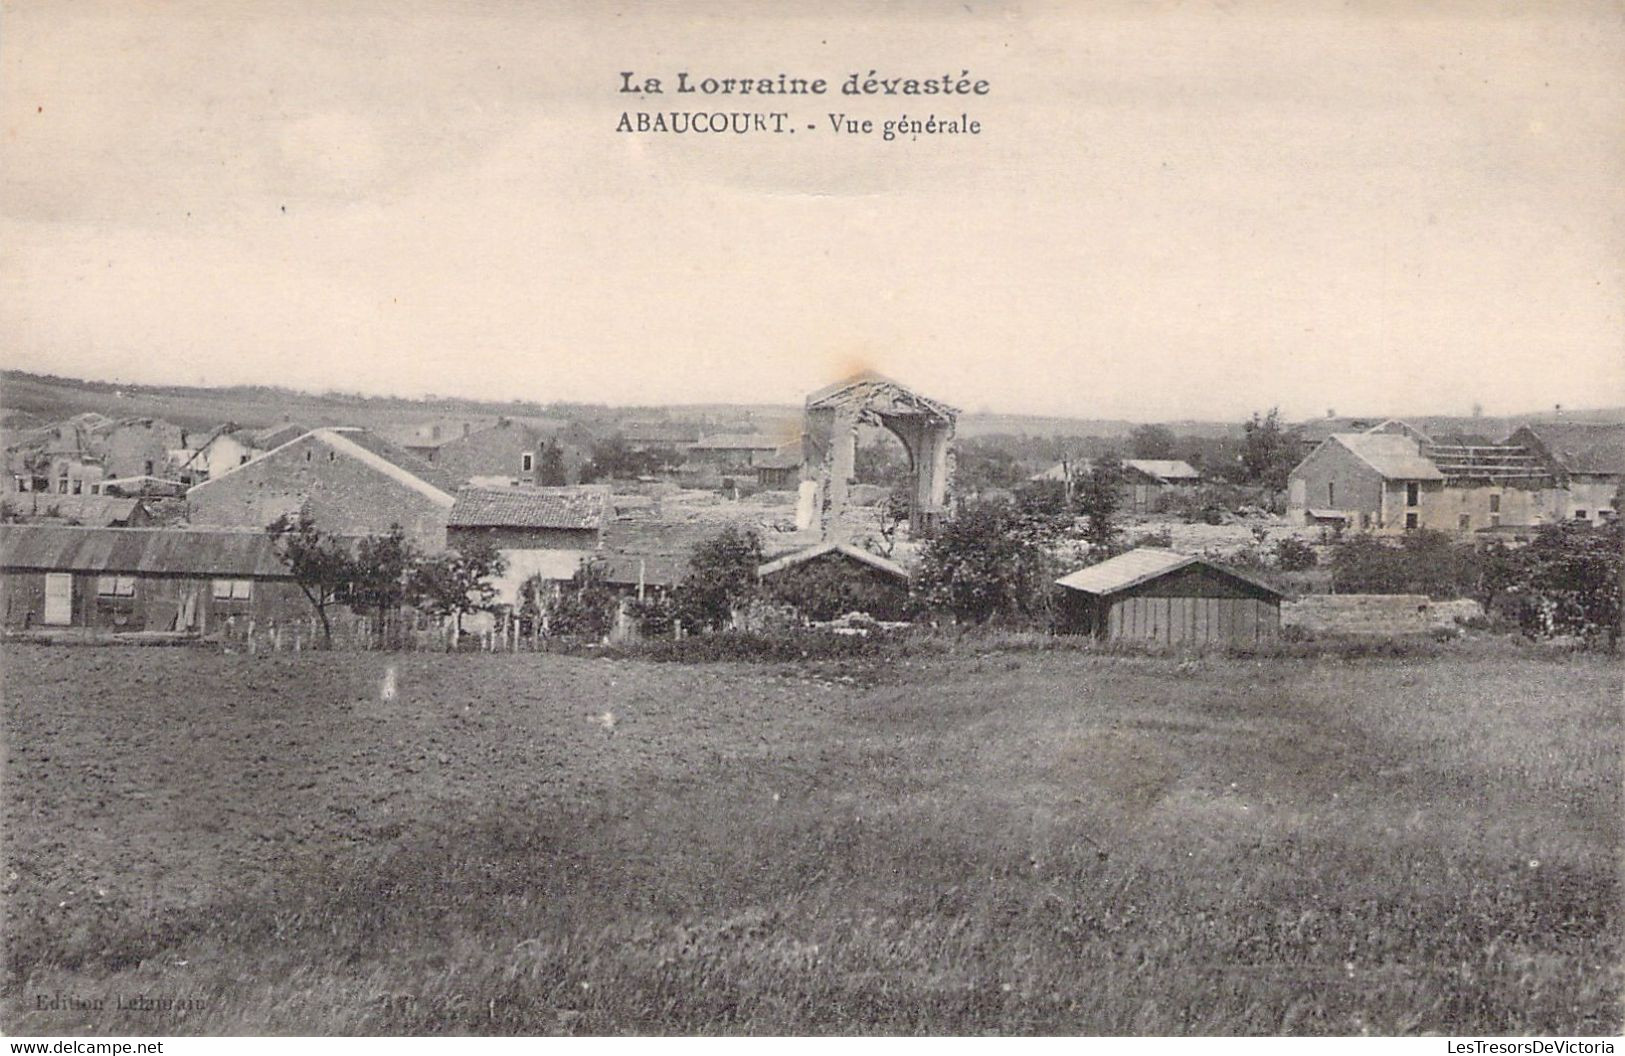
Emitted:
<point x="1154" y="595"/>
<point x="142" y="579"/>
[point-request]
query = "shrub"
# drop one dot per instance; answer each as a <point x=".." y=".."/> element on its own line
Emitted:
<point x="1294" y="555"/>
<point x="979" y="567"/>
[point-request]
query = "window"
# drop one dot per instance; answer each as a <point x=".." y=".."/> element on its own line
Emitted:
<point x="22" y="483"/>
<point x="307" y="456"/>
<point x="527" y="462"/>
<point x="62" y="486"/>
<point x="1331" y="493"/>
<point x="242" y="460"/>
<point x="115" y="586"/>
<point x="1580" y="515"/>
<point x="1413" y="493"/>
<point x="148" y="471"/>
<point x="1495" y="504"/>
<point x="232" y="589"/>
<point x="332" y="456"/>
<point x="1410" y="521"/>
<point x="78" y="486"/>
<point x="1464" y="522"/>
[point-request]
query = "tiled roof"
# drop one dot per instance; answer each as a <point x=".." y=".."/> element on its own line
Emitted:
<point x="242" y="554"/>
<point x="98" y="511"/>
<point x="568" y="508"/>
<point x="1138" y="566"/>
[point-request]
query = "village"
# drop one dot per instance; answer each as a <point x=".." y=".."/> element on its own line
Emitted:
<point x="132" y="529"/>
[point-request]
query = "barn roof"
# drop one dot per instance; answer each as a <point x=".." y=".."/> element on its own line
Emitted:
<point x="1394" y="455"/>
<point x="568" y="508"/>
<point x="1143" y="565"/>
<point x="241" y="554"/>
<point x="875" y="561"/>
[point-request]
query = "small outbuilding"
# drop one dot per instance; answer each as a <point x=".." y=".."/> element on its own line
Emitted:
<point x="1153" y="595"/>
<point x="835" y="578"/>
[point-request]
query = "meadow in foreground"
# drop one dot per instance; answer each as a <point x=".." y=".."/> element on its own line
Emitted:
<point x="1045" y="842"/>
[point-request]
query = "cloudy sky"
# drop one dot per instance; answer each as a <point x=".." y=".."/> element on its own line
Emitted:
<point x="1173" y="210"/>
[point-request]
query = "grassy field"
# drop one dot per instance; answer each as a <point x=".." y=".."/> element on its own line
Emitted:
<point x="1042" y="842"/>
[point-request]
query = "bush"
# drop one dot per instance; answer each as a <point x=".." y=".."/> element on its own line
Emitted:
<point x="981" y="566"/>
<point x="826" y="589"/>
<point x="1295" y="555"/>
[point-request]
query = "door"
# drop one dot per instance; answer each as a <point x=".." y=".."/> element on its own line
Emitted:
<point x="59" y="598"/>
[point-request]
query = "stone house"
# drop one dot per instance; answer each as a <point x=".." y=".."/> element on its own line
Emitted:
<point x="352" y="481"/>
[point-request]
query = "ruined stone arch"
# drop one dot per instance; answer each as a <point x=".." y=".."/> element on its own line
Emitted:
<point x="924" y="426"/>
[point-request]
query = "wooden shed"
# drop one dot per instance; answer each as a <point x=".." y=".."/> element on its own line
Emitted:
<point x="1154" y="595"/>
<point x="142" y="579"/>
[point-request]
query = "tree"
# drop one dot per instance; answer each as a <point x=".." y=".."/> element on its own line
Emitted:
<point x="893" y="514"/>
<point x="457" y="581"/>
<point x="319" y="563"/>
<point x="1267" y="455"/>
<point x="1567" y="581"/>
<point x="1099" y="495"/>
<point x="585" y="606"/>
<point x="721" y="577"/>
<point x="978" y="566"/>
<point x="550" y="471"/>
<point x="1152" y="441"/>
<point x="378" y="575"/>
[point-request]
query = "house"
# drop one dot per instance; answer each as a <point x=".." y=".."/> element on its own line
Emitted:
<point x="1367" y="481"/>
<point x="733" y="449"/>
<point x="352" y="481"/>
<point x="1146" y="481"/>
<point x="1586" y="461"/>
<point x="834" y="578"/>
<point x="218" y="452"/>
<point x="142" y="579"/>
<point x="507" y="452"/>
<point x="64" y="458"/>
<point x="1153" y="595"/>
<point x="530" y="518"/>
<point x="140" y="447"/>
<point x="780" y="470"/>
<point x="545" y="535"/>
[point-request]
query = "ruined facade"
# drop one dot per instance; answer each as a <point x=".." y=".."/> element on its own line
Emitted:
<point x="829" y="441"/>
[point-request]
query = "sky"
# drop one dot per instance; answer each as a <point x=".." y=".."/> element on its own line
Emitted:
<point x="1173" y="210"/>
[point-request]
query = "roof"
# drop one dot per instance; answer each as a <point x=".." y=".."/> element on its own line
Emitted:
<point x="1143" y="565"/>
<point x="1331" y="515"/>
<point x="736" y="442"/>
<point x="241" y="554"/>
<point x="96" y="510"/>
<point x="277" y="435"/>
<point x="1584" y="448"/>
<point x="1164" y="468"/>
<point x="398" y="457"/>
<point x="1394" y="455"/>
<point x="875" y="561"/>
<point x="579" y="509"/>
<point x="366" y="447"/>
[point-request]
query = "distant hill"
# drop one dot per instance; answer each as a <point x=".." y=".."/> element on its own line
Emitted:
<point x="49" y="398"/>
